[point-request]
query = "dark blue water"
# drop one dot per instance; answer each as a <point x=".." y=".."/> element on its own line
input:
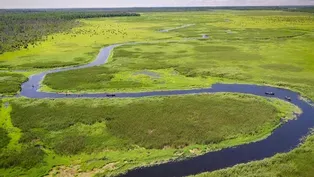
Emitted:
<point x="283" y="139"/>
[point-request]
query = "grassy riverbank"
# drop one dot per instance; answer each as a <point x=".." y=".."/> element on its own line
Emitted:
<point x="99" y="136"/>
<point x="74" y="46"/>
<point x="10" y="83"/>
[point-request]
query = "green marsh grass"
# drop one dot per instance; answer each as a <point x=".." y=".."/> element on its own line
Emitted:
<point x="170" y="121"/>
<point x="10" y="83"/>
<point x="263" y="47"/>
<point x="94" y="133"/>
<point x="260" y="47"/>
<point x="4" y="138"/>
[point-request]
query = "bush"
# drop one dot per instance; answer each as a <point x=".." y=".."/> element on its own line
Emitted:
<point x="10" y="83"/>
<point x="4" y="138"/>
<point x="70" y="145"/>
<point x="27" y="158"/>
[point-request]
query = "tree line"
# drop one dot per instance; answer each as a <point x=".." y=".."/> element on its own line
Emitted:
<point x="21" y="28"/>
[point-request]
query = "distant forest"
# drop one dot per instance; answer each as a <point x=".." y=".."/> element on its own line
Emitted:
<point x="174" y="9"/>
<point x="21" y="28"/>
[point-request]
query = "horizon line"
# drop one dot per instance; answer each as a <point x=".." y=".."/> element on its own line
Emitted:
<point x="132" y="7"/>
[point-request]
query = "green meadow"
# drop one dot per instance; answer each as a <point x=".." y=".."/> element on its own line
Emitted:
<point x="242" y="47"/>
<point x="94" y="136"/>
<point x="106" y="137"/>
<point x="261" y="47"/>
<point x="10" y="82"/>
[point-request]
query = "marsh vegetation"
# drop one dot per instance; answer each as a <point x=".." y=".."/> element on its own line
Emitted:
<point x="54" y="132"/>
<point x="24" y="29"/>
<point x="108" y="137"/>
<point x="242" y="47"/>
<point x="10" y="83"/>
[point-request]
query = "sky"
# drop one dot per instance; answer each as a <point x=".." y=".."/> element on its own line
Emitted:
<point x="4" y="4"/>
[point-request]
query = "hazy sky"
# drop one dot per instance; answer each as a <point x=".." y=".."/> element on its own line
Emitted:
<point x="142" y="3"/>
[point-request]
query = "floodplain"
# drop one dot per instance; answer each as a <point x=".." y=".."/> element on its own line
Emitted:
<point x="159" y="51"/>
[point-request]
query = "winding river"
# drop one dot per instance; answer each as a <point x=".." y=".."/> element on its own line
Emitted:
<point x="283" y="139"/>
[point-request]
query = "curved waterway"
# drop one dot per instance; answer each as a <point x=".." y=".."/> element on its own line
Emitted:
<point x="283" y="139"/>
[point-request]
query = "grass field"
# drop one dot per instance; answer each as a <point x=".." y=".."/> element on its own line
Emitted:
<point x="80" y="45"/>
<point x="10" y="83"/>
<point x="242" y="47"/>
<point x="264" y="47"/>
<point x="94" y="134"/>
<point x="107" y="137"/>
